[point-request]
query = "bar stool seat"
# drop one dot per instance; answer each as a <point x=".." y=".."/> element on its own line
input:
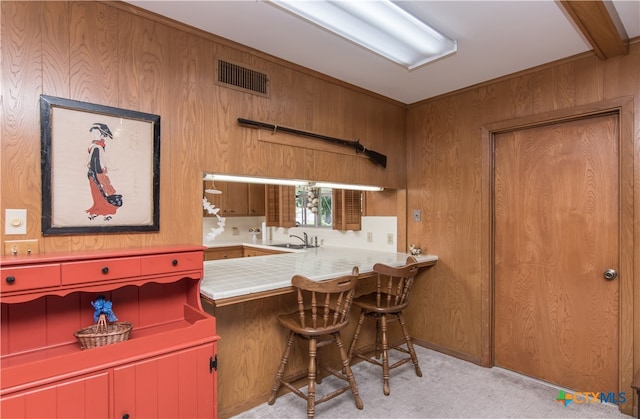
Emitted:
<point x="323" y="311"/>
<point x="393" y="286"/>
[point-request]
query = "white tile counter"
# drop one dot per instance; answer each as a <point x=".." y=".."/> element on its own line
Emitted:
<point x="242" y="276"/>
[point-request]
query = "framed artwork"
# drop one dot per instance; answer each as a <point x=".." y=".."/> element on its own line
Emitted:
<point x="100" y="168"/>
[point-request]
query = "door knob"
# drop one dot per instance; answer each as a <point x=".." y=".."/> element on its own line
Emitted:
<point x="610" y="274"/>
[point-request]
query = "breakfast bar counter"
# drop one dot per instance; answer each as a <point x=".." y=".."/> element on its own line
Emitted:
<point x="247" y="294"/>
<point x="241" y="279"/>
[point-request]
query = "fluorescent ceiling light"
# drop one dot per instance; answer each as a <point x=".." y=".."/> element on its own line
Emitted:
<point x="252" y="179"/>
<point x="346" y="186"/>
<point x="380" y="26"/>
<point x="288" y="182"/>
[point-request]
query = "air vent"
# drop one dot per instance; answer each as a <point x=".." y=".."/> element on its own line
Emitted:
<point x="233" y="75"/>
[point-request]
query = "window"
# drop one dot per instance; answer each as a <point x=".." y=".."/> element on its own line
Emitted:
<point x="313" y="207"/>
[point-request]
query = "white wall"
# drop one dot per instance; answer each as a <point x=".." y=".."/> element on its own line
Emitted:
<point x="236" y="230"/>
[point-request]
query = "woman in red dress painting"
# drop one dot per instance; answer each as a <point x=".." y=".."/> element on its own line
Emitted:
<point x="105" y="201"/>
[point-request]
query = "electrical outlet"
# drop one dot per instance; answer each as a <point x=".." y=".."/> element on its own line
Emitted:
<point x="389" y="238"/>
<point x="21" y="247"/>
<point x="369" y="237"/>
<point x="416" y="215"/>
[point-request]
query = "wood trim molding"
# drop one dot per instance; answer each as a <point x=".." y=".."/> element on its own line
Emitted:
<point x="163" y="20"/>
<point x="512" y="76"/>
<point x="600" y="24"/>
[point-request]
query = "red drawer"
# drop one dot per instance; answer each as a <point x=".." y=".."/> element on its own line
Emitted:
<point x="30" y="277"/>
<point x="172" y="262"/>
<point x="104" y="270"/>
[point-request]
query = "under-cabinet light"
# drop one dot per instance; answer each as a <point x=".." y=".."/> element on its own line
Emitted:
<point x="380" y="26"/>
<point x="346" y="186"/>
<point x="289" y="182"/>
<point x="253" y="179"/>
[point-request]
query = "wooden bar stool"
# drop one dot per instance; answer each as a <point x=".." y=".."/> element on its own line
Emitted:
<point x="390" y="298"/>
<point x="323" y="311"/>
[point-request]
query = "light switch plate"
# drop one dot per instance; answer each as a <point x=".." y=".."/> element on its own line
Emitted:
<point x="15" y="221"/>
<point x="21" y="247"/>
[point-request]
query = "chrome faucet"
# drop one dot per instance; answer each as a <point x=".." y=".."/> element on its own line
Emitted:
<point x="305" y="240"/>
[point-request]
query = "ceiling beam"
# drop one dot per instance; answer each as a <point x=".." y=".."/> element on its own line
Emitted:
<point x="600" y="24"/>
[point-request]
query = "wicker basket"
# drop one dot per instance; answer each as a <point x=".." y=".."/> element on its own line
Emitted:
<point x="103" y="333"/>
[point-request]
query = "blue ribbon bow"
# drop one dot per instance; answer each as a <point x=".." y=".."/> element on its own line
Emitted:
<point x="103" y="306"/>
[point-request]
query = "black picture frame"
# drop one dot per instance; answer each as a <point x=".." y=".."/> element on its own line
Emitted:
<point x="100" y="168"/>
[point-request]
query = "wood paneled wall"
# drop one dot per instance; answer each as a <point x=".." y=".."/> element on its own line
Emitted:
<point x="111" y="53"/>
<point x="446" y="154"/>
<point x="114" y="54"/>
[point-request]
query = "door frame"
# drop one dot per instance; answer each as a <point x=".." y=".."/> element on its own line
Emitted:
<point x="623" y="108"/>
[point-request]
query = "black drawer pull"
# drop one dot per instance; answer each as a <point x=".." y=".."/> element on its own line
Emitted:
<point x="105" y="270"/>
<point x="10" y="279"/>
<point x="174" y="262"/>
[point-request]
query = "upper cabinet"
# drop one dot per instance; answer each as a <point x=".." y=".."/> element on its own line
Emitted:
<point x="347" y="209"/>
<point x="236" y="199"/>
<point x="277" y="203"/>
<point x="280" y="206"/>
<point x="213" y="198"/>
<point x="257" y="199"/>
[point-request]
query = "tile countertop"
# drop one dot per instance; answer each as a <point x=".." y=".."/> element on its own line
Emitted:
<point x="228" y="278"/>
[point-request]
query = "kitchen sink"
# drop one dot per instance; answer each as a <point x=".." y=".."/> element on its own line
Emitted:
<point x="289" y="246"/>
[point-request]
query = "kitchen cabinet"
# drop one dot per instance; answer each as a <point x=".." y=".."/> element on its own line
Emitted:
<point x="280" y="204"/>
<point x="172" y="347"/>
<point x="232" y="201"/>
<point x="255" y="251"/>
<point x="347" y="209"/>
<point x="237" y="199"/>
<point x="257" y="194"/>
<point x="215" y="199"/>
<point x="227" y="252"/>
<point x="230" y="252"/>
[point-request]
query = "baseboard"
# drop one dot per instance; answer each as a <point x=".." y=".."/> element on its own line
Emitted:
<point x="447" y="351"/>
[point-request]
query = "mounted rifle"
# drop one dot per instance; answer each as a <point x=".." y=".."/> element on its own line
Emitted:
<point x="375" y="157"/>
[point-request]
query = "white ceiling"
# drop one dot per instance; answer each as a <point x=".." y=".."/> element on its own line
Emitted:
<point x="495" y="38"/>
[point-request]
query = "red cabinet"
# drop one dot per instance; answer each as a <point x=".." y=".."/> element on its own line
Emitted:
<point x="166" y="386"/>
<point x="93" y="271"/>
<point x="85" y="397"/>
<point x="165" y="369"/>
<point x="29" y="277"/>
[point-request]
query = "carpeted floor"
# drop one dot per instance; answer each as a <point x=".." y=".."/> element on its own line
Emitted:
<point x="449" y="388"/>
